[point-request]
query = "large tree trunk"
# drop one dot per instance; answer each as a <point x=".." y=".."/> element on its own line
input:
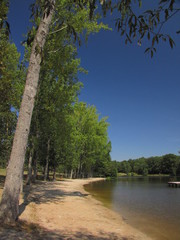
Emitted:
<point x="9" y="207"/>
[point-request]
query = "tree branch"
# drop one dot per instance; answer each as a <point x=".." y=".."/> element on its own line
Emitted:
<point x="162" y="23"/>
<point x="58" y="30"/>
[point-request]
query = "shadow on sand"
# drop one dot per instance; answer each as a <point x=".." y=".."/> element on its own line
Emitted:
<point x="46" y="192"/>
<point x="23" y="230"/>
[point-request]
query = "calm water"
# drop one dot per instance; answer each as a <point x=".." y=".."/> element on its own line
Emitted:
<point x="148" y="204"/>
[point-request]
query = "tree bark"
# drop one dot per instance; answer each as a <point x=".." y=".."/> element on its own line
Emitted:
<point x="34" y="177"/>
<point x="29" y="176"/>
<point x="71" y="174"/>
<point x="54" y="173"/>
<point x="46" y="169"/>
<point x="9" y="207"/>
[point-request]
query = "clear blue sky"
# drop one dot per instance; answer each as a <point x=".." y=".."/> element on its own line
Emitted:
<point x="140" y="95"/>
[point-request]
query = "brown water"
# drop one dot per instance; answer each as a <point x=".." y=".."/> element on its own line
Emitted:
<point x="147" y="203"/>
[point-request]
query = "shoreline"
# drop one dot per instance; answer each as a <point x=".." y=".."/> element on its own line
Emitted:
<point x="64" y="210"/>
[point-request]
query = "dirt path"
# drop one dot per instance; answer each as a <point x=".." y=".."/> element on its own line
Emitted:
<point x="64" y="210"/>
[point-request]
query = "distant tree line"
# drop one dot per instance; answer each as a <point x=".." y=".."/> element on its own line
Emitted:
<point x="166" y="164"/>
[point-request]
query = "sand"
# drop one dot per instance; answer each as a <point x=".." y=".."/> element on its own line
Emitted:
<point x="64" y="210"/>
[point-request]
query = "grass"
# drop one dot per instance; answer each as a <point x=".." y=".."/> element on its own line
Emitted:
<point x="2" y="177"/>
<point x="2" y="172"/>
<point x="158" y="175"/>
<point x="121" y="174"/>
<point x="132" y="174"/>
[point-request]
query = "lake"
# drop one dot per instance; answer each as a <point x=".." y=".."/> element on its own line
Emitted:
<point x="146" y="203"/>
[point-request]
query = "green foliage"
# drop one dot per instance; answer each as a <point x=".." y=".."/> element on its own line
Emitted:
<point x="167" y="164"/>
<point x="124" y="167"/>
<point x="77" y="138"/>
<point x="4" y="25"/>
<point x="134" y="22"/>
<point x="87" y="141"/>
<point x="69" y="18"/>
<point x="111" y="170"/>
<point x="11" y="88"/>
<point x="147" y="24"/>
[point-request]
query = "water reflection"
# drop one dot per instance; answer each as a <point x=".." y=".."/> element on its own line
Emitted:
<point x="146" y="203"/>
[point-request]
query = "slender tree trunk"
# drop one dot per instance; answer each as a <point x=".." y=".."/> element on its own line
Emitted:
<point x="29" y="176"/>
<point x="71" y="175"/>
<point x="46" y="169"/>
<point x="75" y="173"/>
<point x="65" y="173"/>
<point x="6" y="147"/>
<point x="48" y="178"/>
<point x="79" y="170"/>
<point x="54" y="173"/>
<point x="9" y="207"/>
<point x="34" y="177"/>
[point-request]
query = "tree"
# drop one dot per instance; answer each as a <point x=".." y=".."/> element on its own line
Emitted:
<point x="58" y="86"/>
<point x="10" y="198"/>
<point x="11" y="86"/>
<point x="4" y="25"/>
<point x="141" y="166"/>
<point x="170" y="164"/>
<point x="125" y="167"/>
<point x="137" y="23"/>
<point x="167" y="164"/>
<point x="86" y="145"/>
<point x="154" y="165"/>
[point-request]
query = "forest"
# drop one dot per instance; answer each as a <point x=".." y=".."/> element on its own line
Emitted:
<point x="167" y="164"/>
<point x="66" y="135"/>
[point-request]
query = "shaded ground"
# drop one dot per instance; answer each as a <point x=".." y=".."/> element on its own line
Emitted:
<point x="46" y="192"/>
<point x="27" y="231"/>
<point x="63" y="210"/>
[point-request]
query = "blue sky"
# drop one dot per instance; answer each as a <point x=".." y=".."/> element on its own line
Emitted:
<point x="140" y="95"/>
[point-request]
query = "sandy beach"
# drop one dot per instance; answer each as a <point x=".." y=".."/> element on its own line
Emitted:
<point x="64" y="210"/>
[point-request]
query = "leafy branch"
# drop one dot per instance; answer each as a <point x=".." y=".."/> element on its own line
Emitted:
<point x="150" y="23"/>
